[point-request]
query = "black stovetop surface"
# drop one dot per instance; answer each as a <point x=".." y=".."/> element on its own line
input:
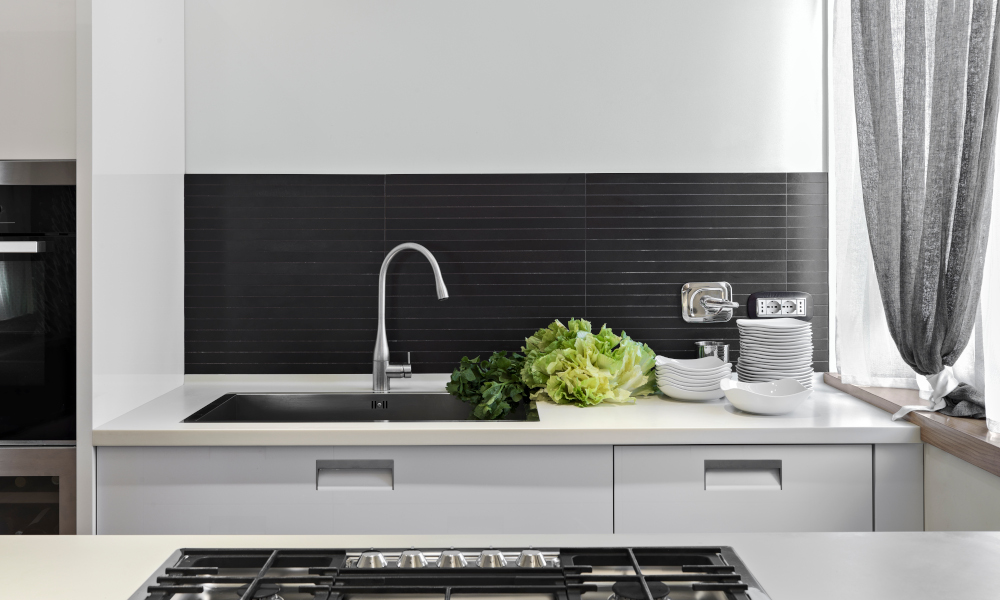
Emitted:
<point x="590" y="573"/>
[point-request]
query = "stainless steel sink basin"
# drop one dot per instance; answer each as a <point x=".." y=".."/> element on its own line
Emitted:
<point x="337" y="408"/>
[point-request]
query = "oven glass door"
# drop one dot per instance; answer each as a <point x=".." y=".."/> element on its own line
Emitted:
<point x="37" y="337"/>
<point x="29" y="505"/>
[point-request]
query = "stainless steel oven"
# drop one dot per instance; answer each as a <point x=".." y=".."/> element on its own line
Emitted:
<point x="37" y="344"/>
<point x="37" y="490"/>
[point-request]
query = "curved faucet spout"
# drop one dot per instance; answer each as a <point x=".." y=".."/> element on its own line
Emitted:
<point x="382" y="371"/>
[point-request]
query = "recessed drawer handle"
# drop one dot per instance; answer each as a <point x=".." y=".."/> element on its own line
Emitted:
<point x="743" y="475"/>
<point x="333" y="475"/>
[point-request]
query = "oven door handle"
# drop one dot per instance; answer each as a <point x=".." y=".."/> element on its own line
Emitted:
<point x="22" y="247"/>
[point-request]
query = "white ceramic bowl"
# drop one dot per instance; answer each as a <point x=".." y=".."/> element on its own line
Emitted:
<point x="694" y="379"/>
<point x="695" y="376"/>
<point x="772" y="398"/>
<point x="689" y="387"/>
<point x="806" y="382"/>
<point x="682" y="394"/>
<point x="692" y="372"/>
<point x="708" y="363"/>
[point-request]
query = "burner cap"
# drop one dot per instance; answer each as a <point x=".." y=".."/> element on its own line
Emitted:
<point x="266" y="590"/>
<point x="632" y="590"/>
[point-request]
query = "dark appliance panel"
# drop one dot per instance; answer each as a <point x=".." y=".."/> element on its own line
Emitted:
<point x="37" y="312"/>
<point x="37" y="209"/>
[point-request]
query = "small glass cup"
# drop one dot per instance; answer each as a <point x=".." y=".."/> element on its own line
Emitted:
<point x="719" y="349"/>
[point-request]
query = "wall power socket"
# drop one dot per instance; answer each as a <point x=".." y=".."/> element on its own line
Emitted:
<point x="772" y="305"/>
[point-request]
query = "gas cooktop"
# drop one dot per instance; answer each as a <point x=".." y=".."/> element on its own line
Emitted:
<point x="672" y="573"/>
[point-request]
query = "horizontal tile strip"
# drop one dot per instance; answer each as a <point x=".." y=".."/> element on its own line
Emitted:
<point x="282" y="269"/>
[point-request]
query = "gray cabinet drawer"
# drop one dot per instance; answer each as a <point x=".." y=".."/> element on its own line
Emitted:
<point x="660" y="489"/>
<point x="355" y="490"/>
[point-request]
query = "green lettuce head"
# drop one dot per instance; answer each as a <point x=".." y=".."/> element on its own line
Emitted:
<point x="572" y="365"/>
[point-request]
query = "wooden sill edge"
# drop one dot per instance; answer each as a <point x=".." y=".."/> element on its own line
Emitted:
<point x="967" y="439"/>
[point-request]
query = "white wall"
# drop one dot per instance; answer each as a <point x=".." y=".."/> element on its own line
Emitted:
<point x="137" y="203"/>
<point x="37" y="79"/>
<point x="957" y="495"/>
<point x="377" y="86"/>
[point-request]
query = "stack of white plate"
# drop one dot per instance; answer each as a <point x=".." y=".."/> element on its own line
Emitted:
<point x="694" y="379"/>
<point x="772" y="349"/>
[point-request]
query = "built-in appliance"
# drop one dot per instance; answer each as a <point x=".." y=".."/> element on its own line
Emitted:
<point x="671" y="573"/>
<point x="37" y="490"/>
<point x="37" y="346"/>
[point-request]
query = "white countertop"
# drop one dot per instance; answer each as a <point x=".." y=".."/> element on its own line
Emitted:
<point x="828" y="416"/>
<point x="796" y="566"/>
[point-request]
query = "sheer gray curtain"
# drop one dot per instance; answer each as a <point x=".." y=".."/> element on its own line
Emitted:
<point x="925" y="90"/>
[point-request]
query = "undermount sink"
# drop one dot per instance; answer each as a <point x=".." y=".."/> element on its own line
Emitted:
<point x="329" y="407"/>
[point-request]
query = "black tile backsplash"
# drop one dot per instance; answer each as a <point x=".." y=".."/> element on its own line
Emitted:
<point x="282" y="270"/>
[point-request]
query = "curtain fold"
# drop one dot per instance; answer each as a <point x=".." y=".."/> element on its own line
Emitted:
<point x="925" y="78"/>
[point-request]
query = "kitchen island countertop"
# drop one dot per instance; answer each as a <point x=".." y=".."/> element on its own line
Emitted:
<point x="789" y="566"/>
<point x="828" y="416"/>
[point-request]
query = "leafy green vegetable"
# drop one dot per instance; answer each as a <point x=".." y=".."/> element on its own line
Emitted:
<point x="572" y="365"/>
<point x="492" y="386"/>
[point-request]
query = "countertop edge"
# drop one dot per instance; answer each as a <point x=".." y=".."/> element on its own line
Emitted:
<point x="967" y="439"/>
<point x="548" y="437"/>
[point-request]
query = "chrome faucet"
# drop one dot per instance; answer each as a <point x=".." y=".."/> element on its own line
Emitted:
<point x="382" y="370"/>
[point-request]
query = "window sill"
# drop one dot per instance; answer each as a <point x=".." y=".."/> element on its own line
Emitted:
<point x="967" y="439"/>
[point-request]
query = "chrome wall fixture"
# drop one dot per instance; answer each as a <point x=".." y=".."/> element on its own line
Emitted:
<point x="707" y="302"/>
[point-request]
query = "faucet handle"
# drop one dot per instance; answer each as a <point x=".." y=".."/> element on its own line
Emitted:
<point x="407" y="367"/>
<point x="399" y="371"/>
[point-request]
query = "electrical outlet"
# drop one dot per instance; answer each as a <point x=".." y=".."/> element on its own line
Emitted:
<point x="763" y="305"/>
<point x="780" y="308"/>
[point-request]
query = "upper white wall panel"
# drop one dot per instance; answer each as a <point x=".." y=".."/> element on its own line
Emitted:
<point x="37" y="79"/>
<point x="138" y="87"/>
<point x="376" y="86"/>
<point x="136" y="203"/>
